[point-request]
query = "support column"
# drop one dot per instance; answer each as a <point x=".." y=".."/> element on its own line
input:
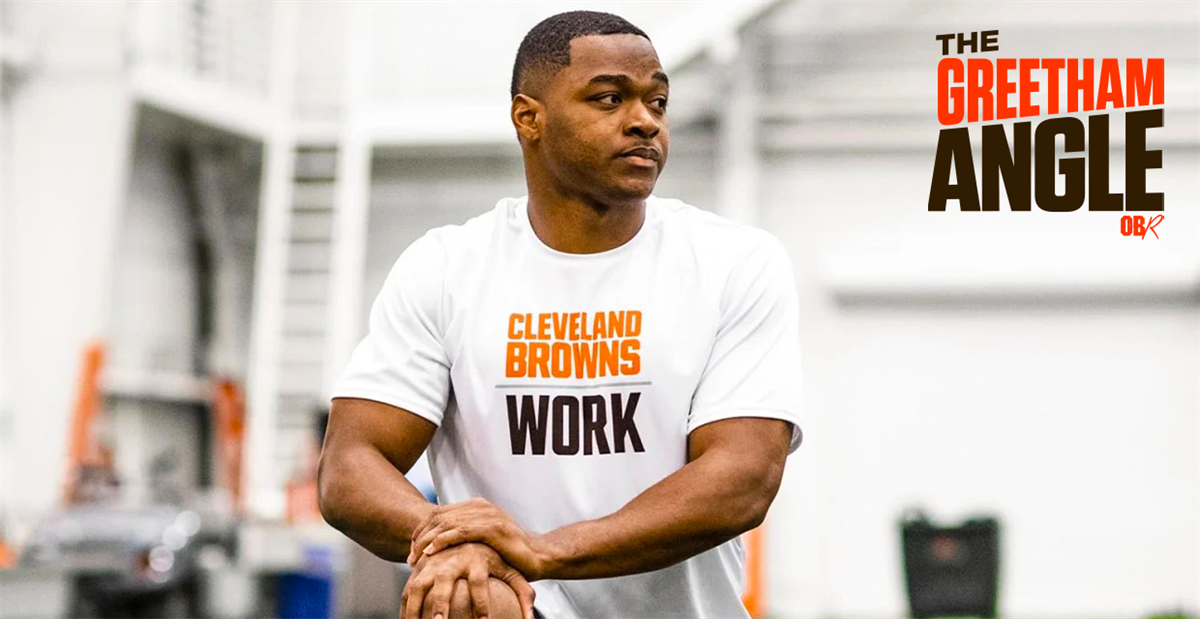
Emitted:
<point x="263" y="486"/>
<point x="737" y="132"/>
<point x="351" y="199"/>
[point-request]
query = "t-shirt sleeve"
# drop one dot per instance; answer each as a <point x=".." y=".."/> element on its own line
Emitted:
<point x="754" y="367"/>
<point x="402" y="361"/>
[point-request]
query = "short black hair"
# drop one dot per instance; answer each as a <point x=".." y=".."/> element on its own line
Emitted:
<point x="547" y="46"/>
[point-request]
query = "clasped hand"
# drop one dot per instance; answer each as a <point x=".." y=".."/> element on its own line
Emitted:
<point x="430" y="587"/>
<point x="478" y="520"/>
<point x="471" y="540"/>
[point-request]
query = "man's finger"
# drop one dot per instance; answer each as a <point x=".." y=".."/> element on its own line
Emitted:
<point x="524" y="591"/>
<point x="419" y="544"/>
<point x="481" y="595"/>
<point x="526" y="595"/>
<point x="436" y="517"/>
<point x="461" y="535"/>
<point x="443" y="518"/>
<point x="416" y="532"/>
<point x="415" y="591"/>
<point x="414" y="556"/>
<point x="439" y="598"/>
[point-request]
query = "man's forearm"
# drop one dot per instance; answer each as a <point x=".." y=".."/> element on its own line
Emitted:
<point x="364" y="496"/>
<point x="700" y="506"/>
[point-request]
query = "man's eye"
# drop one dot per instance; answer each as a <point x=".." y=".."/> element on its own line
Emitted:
<point x="660" y="103"/>
<point x="610" y="99"/>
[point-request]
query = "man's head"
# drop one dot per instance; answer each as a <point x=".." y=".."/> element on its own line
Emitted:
<point x="589" y="105"/>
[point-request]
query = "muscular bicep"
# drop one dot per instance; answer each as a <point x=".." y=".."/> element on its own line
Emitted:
<point x="400" y="436"/>
<point x="362" y="489"/>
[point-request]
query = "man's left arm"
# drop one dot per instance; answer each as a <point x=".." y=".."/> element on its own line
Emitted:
<point x="734" y="470"/>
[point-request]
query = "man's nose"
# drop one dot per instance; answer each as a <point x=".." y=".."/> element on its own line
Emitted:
<point x="642" y="122"/>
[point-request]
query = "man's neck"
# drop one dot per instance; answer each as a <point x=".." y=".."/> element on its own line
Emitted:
<point x="576" y="226"/>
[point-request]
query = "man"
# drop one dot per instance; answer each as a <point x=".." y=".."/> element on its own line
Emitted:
<point x="605" y="380"/>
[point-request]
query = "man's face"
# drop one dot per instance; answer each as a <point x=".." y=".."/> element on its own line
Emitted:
<point x="605" y="133"/>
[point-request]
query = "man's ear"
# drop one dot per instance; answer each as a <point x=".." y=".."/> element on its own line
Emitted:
<point x="527" y="116"/>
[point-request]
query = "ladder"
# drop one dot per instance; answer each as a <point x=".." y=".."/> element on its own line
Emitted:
<point x="316" y="179"/>
<point x="303" y="330"/>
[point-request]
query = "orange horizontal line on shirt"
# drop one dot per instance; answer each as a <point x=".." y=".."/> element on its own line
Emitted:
<point x="543" y="385"/>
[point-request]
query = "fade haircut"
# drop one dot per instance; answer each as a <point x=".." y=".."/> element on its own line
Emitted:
<point x="547" y="47"/>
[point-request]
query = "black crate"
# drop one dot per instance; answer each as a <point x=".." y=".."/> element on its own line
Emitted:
<point x="951" y="571"/>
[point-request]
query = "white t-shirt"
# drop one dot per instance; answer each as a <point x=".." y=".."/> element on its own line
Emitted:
<point x="563" y="385"/>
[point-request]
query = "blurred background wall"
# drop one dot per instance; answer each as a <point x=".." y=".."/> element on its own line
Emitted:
<point x="218" y="189"/>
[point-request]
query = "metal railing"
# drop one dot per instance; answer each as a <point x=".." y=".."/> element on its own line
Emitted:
<point x="221" y="43"/>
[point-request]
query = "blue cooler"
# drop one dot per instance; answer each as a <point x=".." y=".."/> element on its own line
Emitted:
<point x="308" y="594"/>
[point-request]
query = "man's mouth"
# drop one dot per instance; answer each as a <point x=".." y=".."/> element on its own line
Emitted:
<point x="642" y="155"/>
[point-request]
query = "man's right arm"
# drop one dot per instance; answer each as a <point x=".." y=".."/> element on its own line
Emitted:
<point x="363" y="492"/>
